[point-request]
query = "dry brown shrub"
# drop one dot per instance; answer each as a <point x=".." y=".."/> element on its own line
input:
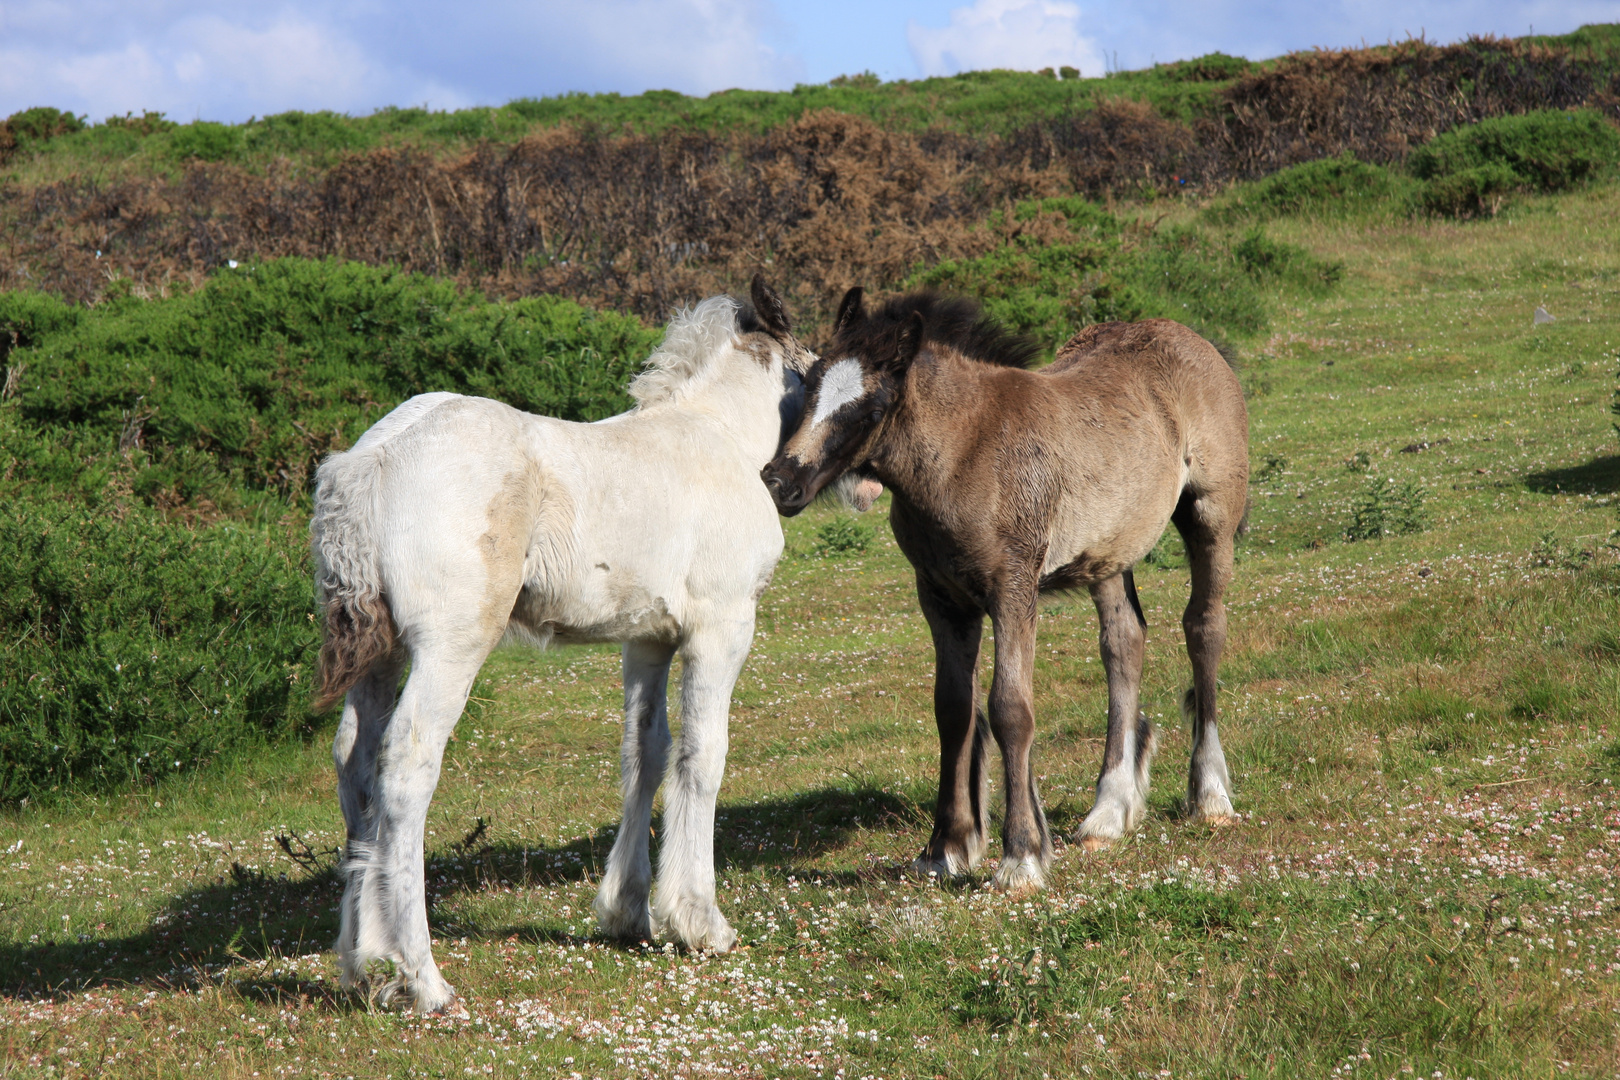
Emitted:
<point x="1378" y="104"/>
<point x="629" y="221"/>
<point x="1120" y="147"/>
<point x="643" y="223"/>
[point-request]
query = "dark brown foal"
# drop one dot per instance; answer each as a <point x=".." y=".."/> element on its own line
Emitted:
<point x="1008" y="483"/>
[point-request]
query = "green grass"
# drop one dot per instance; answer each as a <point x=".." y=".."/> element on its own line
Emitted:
<point x="1423" y="730"/>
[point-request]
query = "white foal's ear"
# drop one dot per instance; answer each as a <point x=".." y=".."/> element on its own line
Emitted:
<point x="768" y="306"/>
<point x="843" y="383"/>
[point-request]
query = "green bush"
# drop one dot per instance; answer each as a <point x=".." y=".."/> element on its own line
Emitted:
<point x="843" y="535"/>
<point x="1333" y="187"/>
<point x="247" y="382"/>
<point x="205" y="140"/>
<point x="137" y="648"/>
<point x="1386" y="508"/>
<point x="1476" y="192"/>
<point x="1211" y="67"/>
<point x="138" y="645"/>
<point x="41" y="124"/>
<point x="26" y="318"/>
<point x="1043" y="288"/>
<point x="1100" y="269"/>
<point x="1470" y="169"/>
<point x="149" y="122"/>
<point x="316" y="133"/>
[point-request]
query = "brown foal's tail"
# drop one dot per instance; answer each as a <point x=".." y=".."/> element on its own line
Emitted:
<point x="979" y="776"/>
<point x="358" y="627"/>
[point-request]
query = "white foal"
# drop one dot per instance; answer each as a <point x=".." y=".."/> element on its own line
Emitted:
<point x="455" y="521"/>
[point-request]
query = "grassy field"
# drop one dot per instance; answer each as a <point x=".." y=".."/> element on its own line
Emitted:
<point x="1423" y="730"/>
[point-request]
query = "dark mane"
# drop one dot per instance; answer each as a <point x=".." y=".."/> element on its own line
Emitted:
<point x="947" y="320"/>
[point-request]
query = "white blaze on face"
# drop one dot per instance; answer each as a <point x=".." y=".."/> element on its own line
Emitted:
<point x="841" y="385"/>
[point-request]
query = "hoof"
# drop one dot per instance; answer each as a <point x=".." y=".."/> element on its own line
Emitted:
<point x="1020" y="876"/>
<point x="1215" y="821"/>
<point x="454" y="1009"/>
<point x="1105" y="824"/>
<point x="941" y="867"/>
<point x="698" y="926"/>
<point x="631" y="922"/>
<point x="1213" y="808"/>
<point x="429" y="997"/>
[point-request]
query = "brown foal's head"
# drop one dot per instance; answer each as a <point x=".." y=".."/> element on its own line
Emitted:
<point x="849" y="393"/>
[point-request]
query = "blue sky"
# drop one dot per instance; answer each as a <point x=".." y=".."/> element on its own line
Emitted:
<point x="228" y="60"/>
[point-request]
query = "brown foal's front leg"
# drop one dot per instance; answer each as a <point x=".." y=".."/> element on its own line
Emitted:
<point x="1026" y="846"/>
<point x="960" y="816"/>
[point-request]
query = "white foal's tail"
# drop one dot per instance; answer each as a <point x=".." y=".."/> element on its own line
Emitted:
<point x="359" y="630"/>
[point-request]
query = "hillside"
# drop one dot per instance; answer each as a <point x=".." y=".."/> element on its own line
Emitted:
<point x="1411" y="254"/>
<point x="1421" y="727"/>
<point x="638" y="203"/>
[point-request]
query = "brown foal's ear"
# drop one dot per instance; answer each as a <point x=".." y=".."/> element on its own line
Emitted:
<point x="911" y="336"/>
<point x="769" y="307"/>
<point x="849" y="308"/>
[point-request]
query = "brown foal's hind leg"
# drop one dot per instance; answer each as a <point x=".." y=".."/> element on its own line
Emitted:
<point x="1209" y="551"/>
<point x="1122" y="785"/>
<point x="960" y="816"/>
<point x="1026" y="845"/>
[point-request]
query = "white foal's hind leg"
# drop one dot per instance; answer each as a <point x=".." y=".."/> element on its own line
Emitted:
<point x="366" y="709"/>
<point x="685" y="907"/>
<point x="392" y="900"/>
<point x="621" y="902"/>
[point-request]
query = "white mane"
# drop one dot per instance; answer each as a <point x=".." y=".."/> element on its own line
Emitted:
<point x="691" y="342"/>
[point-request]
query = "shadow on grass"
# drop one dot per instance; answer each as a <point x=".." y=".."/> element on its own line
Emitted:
<point x="1600" y="476"/>
<point x="251" y="916"/>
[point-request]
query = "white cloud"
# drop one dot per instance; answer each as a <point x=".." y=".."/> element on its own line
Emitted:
<point x="223" y="60"/>
<point x="1024" y="35"/>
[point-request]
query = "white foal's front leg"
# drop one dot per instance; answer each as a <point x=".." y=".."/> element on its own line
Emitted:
<point x="685" y="907"/>
<point x="386" y="876"/>
<point x="621" y="902"/>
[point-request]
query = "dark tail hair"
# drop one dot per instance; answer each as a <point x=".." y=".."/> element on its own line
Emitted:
<point x="358" y="628"/>
<point x="358" y="633"/>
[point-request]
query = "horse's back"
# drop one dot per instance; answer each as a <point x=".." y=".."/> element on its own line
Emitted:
<point x="1151" y="410"/>
<point x="1138" y="348"/>
<point x="587" y="532"/>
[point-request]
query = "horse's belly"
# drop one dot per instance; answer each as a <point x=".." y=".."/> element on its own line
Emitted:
<point x="596" y="611"/>
<point x="1089" y="547"/>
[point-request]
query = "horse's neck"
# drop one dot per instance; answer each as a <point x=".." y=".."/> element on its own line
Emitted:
<point x="924" y="443"/>
<point x="744" y="408"/>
